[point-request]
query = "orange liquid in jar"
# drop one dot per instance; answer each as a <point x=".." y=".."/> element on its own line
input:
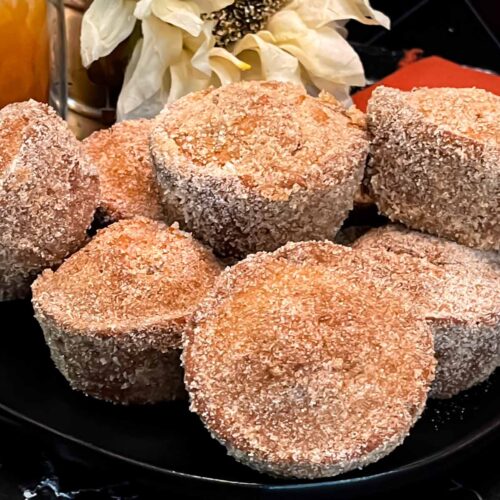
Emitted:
<point x="24" y="51"/>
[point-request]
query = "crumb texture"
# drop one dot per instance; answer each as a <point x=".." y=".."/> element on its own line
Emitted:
<point x="252" y="165"/>
<point x="435" y="156"/>
<point x="48" y="194"/>
<point x="123" y="161"/>
<point x="304" y="366"/>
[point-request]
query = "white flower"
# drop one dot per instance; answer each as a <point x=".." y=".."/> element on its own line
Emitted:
<point x="308" y="32"/>
<point x="161" y="47"/>
<point x="170" y="63"/>
<point x="322" y="12"/>
<point x="105" y="24"/>
<point x="199" y="66"/>
<point x="304" y="42"/>
<point x="267" y="60"/>
<point x="185" y="14"/>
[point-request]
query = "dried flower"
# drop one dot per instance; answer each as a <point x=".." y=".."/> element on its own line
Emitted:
<point x="241" y="18"/>
<point x="305" y="42"/>
<point x="188" y="45"/>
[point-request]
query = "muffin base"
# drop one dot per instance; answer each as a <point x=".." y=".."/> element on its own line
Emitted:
<point x="115" y="369"/>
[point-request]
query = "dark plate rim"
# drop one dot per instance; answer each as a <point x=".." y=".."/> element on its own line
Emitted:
<point x="412" y="467"/>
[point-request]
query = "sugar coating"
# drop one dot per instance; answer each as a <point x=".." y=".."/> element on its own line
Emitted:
<point x="113" y="313"/>
<point x="252" y="165"/>
<point x="469" y="112"/>
<point x="123" y="161"/>
<point x="435" y="161"/>
<point x="48" y="194"/>
<point x="459" y="296"/>
<point x="303" y="365"/>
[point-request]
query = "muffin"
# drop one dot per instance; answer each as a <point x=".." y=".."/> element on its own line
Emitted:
<point x="123" y="162"/>
<point x="48" y="195"/>
<point x="303" y="365"/>
<point x="252" y="165"/>
<point x="457" y="290"/>
<point x="114" y="312"/>
<point x="435" y="161"/>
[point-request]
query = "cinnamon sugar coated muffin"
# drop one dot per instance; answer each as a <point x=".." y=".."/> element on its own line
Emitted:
<point x="457" y="290"/>
<point x="303" y="365"/>
<point x="123" y="161"/>
<point x="435" y="161"/>
<point x="114" y="312"/>
<point x="48" y="194"/>
<point x="252" y="165"/>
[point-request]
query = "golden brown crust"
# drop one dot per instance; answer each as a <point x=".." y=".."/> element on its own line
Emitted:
<point x="133" y="275"/>
<point x="128" y="293"/>
<point x="459" y="298"/>
<point x="303" y="366"/>
<point x="252" y="165"/>
<point x="48" y="194"/>
<point x="435" y="156"/>
<point x="121" y="156"/>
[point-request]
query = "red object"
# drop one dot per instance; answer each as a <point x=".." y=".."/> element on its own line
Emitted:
<point x="431" y="72"/>
<point x="410" y="56"/>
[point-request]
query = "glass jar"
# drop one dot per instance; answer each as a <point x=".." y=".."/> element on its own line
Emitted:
<point x="32" y="52"/>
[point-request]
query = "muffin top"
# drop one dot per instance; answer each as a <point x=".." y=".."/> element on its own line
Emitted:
<point x="459" y="283"/>
<point x="272" y="136"/>
<point x="469" y="112"/>
<point x="134" y="276"/>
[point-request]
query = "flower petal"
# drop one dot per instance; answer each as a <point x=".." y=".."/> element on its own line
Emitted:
<point x="183" y="78"/>
<point x="323" y="52"/>
<point x="267" y="61"/>
<point x="225" y="54"/>
<point x="226" y="66"/>
<point x="161" y="46"/>
<point x="360" y="10"/>
<point x="105" y="24"/>
<point x="149" y="107"/>
<point x="318" y="13"/>
<point x="143" y="9"/>
<point x="207" y="6"/>
<point x="201" y="46"/>
<point x="184" y="15"/>
<point x="338" y="90"/>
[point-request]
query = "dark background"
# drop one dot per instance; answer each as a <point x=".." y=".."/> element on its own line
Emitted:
<point x="464" y="31"/>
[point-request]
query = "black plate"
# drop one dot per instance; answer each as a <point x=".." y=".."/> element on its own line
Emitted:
<point x="170" y="443"/>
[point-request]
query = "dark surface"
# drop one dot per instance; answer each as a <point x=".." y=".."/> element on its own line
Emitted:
<point x="166" y="445"/>
<point x="35" y="465"/>
<point x="464" y="31"/>
<point x="31" y="469"/>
